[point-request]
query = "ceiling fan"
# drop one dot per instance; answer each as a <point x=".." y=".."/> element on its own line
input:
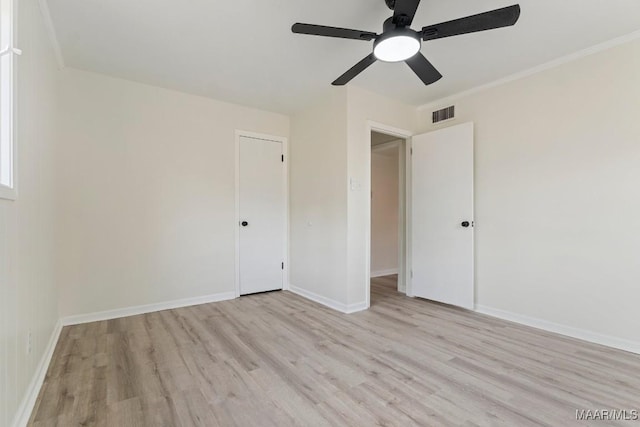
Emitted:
<point x="398" y="42"/>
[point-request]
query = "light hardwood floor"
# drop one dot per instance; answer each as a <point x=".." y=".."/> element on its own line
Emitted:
<point x="277" y="359"/>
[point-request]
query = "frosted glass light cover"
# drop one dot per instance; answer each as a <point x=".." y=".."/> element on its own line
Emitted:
<point x="395" y="49"/>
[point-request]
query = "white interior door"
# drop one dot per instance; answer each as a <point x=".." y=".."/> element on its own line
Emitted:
<point x="442" y="215"/>
<point x="262" y="215"/>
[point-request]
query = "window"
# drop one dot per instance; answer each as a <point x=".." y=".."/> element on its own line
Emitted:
<point x="8" y="52"/>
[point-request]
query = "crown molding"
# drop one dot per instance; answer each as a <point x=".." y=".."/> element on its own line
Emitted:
<point x="535" y="70"/>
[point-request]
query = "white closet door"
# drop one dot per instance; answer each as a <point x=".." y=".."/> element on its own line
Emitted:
<point x="262" y="215"/>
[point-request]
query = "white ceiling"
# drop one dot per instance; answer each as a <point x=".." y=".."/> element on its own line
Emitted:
<point x="378" y="138"/>
<point x="243" y="51"/>
<point x="391" y="151"/>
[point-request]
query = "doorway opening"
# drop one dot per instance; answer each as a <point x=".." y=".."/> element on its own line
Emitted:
<point x="388" y="196"/>
<point x="434" y="169"/>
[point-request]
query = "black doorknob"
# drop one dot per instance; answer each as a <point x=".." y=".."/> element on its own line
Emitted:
<point x="244" y="223"/>
<point x="465" y="224"/>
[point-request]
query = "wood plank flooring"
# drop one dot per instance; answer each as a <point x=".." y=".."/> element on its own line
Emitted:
<point x="279" y="360"/>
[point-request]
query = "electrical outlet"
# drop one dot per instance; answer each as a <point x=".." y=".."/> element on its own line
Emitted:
<point x="29" y="342"/>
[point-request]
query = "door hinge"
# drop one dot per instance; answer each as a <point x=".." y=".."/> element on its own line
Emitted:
<point x="411" y="274"/>
<point x="283" y="158"/>
<point x="283" y="265"/>
<point x="411" y="151"/>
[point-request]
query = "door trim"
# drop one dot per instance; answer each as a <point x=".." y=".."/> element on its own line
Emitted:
<point x="406" y="136"/>
<point x="285" y="189"/>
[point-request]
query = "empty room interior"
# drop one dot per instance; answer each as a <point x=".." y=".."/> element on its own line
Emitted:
<point x="319" y="213"/>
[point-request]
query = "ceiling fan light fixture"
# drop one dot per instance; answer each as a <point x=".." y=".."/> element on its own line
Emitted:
<point x="396" y="46"/>
<point x="398" y="42"/>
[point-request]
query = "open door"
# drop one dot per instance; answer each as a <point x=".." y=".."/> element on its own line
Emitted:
<point x="442" y="216"/>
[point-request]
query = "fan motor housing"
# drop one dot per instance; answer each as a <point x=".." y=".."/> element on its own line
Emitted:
<point x="388" y="25"/>
<point x="395" y="32"/>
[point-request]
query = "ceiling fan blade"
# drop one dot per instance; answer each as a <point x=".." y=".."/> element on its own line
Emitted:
<point x="498" y="18"/>
<point x="407" y="8"/>
<point x="355" y="70"/>
<point x="343" y="33"/>
<point x="423" y="69"/>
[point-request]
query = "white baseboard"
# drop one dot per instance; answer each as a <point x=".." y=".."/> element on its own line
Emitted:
<point x="31" y="395"/>
<point x="354" y="308"/>
<point x="338" y="306"/>
<point x="570" y="331"/>
<point x="148" y="308"/>
<point x="387" y="272"/>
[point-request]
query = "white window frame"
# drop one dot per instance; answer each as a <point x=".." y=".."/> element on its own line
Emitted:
<point x="8" y="146"/>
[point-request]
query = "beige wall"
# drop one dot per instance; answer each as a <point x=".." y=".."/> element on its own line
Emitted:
<point x="318" y="198"/>
<point x="558" y="193"/>
<point x="384" y="210"/>
<point x="28" y="299"/>
<point x="330" y="148"/>
<point x="147" y="193"/>
<point x="364" y="107"/>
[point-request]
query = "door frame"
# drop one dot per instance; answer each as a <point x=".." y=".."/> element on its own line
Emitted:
<point x="285" y="189"/>
<point x="404" y="223"/>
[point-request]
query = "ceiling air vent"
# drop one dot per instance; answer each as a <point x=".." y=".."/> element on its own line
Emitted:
<point x="444" y="114"/>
